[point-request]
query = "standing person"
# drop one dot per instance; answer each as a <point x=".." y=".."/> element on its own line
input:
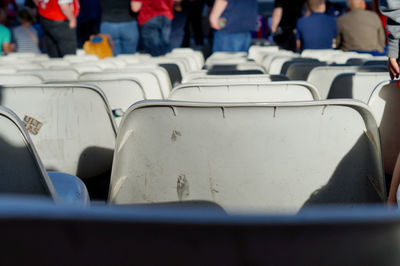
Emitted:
<point x="233" y="22"/>
<point x="118" y="19"/>
<point x="360" y="30"/>
<point x="155" y="20"/>
<point x="284" y="19"/>
<point x="26" y="36"/>
<point x="58" y="20"/>
<point x="179" y="23"/>
<point x="318" y="30"/>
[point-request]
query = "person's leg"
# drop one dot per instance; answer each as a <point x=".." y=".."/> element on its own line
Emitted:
<point x="165" y="34"/>
<point x="220" y="42"/>
<point x="129" y="37"/>
<point x="150" y="37"/>
<point x="112" y="30"/>
<point x="178" y="29"/>
<point x="241" y="41"/>
<point x="48" y="40"/>
<point x="66" y="39"/>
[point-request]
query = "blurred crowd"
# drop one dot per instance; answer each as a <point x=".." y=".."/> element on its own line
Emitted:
<point x="59" y="27"/>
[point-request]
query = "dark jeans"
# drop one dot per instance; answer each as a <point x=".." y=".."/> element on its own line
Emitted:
<point x="155" y="35"/>
<point x="58" y="38"/>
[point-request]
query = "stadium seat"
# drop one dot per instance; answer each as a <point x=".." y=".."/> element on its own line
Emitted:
<point x="249" y="157"/>
<point x="22" y="172"/>
<point x="301" y="70"/>
<point x="203" y="77"/>
<point x="147" y="80"/>
<point x="323" y="76"/>
<point x="20" y="78"/>
<point x="71" y="126"/>
<point x="357" y="86"/>
<point x="245" y="92"/>
<point x="53" y="74"/>
<point x="386" y="109"/>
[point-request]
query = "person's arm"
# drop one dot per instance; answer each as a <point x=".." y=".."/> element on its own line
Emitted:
<point x="390" y="8"/>
<point x="216" y="12"/>
<point x="8" y="47"/>
<point x="67" y="9"/>
<point x="136" y="6"/>
<point x="276" y="18"/>
<point x="394" y="185"/>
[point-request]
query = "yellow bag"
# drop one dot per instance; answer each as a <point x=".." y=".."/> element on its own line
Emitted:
<point x="100" y="45"/>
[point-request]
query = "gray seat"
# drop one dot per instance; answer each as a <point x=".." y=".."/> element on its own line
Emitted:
<point x="19" y="78"/>
<point x="147" y="80"/>
<point x="249" y="157"/>
<point x="386" y="109"/>
<point x="22" y="172"/>
<point x="120" y="93"/>
<point x="245" y="92"/>
<point x="21" y="169"/>
<point x="71" y="126"/>
<point x="203" y="77"/>
<point x="357" y="86"/>
<point x="178" y="236"/>
<point x="301" y="70"/>
<point x="53" y="74"/>
<point x="323" y="76"/>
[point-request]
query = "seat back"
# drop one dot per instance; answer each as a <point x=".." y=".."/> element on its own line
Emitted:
<point x="202" y="77"/>
<point x="21" y="171"/>
<point x="301" y="70"/>
<point x="357" y="86"/>
<point x="386" y="109"/>
<point x="249" y="157"/>
<point x="53" y="74"/>
<point x="71" y="126"/>
<point x="155" y="236"/>
<point x="19" y="78"/>
<point x="245" y="92"/>
<point x="323" y="76"/>
<point x="147" y="80"/>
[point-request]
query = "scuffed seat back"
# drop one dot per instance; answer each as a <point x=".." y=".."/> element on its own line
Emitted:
<point x="21" y="171"/>
<point x="357" y="86"/>
<point x="248" y="157"/>
<point x="71" y="126"/>
<point x="384" y="103"/>
<point x="245" y="92"/>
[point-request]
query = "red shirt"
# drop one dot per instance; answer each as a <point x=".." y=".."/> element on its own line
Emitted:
<point x="153" y="8"/>
<point x="51" y="10"/>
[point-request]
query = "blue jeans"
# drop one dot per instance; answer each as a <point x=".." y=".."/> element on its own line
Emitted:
<point x="155" y="34"/>
<point x="231" y="42"/>
<point x="125" y="36"/>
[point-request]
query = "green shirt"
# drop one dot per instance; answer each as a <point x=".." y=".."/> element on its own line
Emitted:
<point x="5" y="35"/>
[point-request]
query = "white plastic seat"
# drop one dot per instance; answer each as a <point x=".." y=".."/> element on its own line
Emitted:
<point x="148" y="81"/>
<point x="245" y="92"/>
<point x="53" y="74"/>
<point x="202" y="77"/>
<point x="71" y="126"/>
<point x="21" y="171"/>
<point x="357" y="86"/>
<point x="120" y="93"/>
<point x="322" y="77"/>
<point x="163" y="78"/>
<point x="55" y="62"/>
<point x="249" y="157"/>
<point x="20" y="78"/>
<point x="384" y="103"/>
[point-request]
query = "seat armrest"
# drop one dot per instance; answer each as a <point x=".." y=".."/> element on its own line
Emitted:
<point x="70" y="189"/>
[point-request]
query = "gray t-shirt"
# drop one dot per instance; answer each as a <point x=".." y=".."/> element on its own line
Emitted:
<point x="25" y="42"/>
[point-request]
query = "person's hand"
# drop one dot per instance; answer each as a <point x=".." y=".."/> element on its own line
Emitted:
<point x="72" y="23"/>
<point x="214" y="23"/>
<point x="393" y="68"/>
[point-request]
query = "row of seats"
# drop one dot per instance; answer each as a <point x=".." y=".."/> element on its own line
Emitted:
<point x="255" y="144"/>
